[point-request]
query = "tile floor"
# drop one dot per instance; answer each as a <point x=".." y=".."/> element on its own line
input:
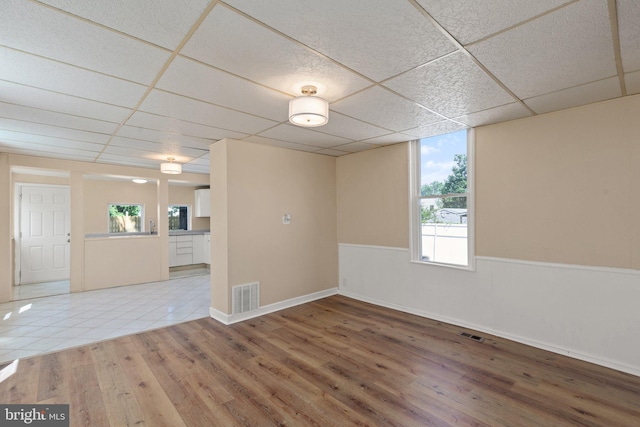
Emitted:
<point x="41" y="325"/>
<point x="38" y="290"/>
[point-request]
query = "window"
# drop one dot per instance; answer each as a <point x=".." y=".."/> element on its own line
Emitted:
<point x="125" y="218"/>
<point x="178" y="217"/>
<point x="441" y="212"/>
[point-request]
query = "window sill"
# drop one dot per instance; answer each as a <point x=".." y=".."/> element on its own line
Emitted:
<point x="471" y="267"/>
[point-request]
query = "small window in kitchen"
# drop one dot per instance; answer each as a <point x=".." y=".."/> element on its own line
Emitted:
<point x="125" y="218"/>
<point x="178" y="217"/>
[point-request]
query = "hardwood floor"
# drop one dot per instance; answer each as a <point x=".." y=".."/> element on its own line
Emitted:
<point x="333" y="362"/>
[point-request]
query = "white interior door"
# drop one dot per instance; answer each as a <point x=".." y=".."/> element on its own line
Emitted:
<point x="44" y="234"/>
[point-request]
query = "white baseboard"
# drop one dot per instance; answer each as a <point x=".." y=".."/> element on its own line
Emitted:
<point x="229" y="319"/>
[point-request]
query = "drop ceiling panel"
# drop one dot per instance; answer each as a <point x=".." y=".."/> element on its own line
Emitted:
<point x="218" y="87"/>
<point x="164" y="137"/>
<point x="385" y="109"/>
<point x="53" y="131"/>
<point x="549" y="54"/>
<point x="172" y="125"/>
<point x="31" y="70"/>
<point x="282" y="144"/>
<point x="12" y="136"/>
<point x="572" y="97"/>
<point x="347" y="127"/>
<point x="163" y="22"/>
<point x="389" y="37"/>
<point x="502" y="113"/>
<point x="36" y="115"/>
<point x="52" y="101"/>
<point x="303" y="136"/>
<point x="392" y="138"/>
<point x="137" y="154"/>
<point x="45" y="151"/>
<point x="129" y="161"/>
<point x="629" y="28"/>
<point x="236" y="44"/>
<point x="78" y="148"/>
<point x="331" y="152"/>
<point x="452" y="86"/>
<point x="188" y="109"/>
<point x="445" y="126"/>
<point x="471" y="20"/>
<point x="47" y="32"/>
<point x="355" y="147"/>
<point x="164" y="149"/>
<point x="632" y="81"/>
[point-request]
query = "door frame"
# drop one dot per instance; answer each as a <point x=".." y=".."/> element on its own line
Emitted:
<point x="17" y="241"/>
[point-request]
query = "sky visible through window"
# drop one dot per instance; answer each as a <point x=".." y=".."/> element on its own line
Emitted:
<point x="437" y="155"/>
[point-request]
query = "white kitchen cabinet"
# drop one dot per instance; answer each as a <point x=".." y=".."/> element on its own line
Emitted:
<point x="207" y="248"/>
<point x="173" y="260"/>
<point x="203" y="203"/>
<point x="184" y="250"/>
<point x="198" y="249"/>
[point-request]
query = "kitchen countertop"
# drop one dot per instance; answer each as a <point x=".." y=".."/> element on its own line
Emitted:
<point x="144" y="233"/>
<point x="187" y="232"/>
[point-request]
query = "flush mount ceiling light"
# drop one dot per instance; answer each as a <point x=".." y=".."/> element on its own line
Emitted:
<point x="171" y="168"/>
<point x="139" y="180"/>
<point x="308" y="110"/>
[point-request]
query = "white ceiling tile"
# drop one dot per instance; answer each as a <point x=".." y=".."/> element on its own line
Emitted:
<point x="452" y="86"/>
<point x="200" y="161"/>
<point x="150" y="155"/>
<point x="301" y="135"/>
<point x="38" y="29"/>
<point x="355" y="147"/>
<point x="569" y="47"/>
<point x="46" y="74"/>
<point x="440" y="128"/>
<point x="572" y="97"/>
<point x="173" y="125"/>
<point x="236" y="44"/>
<point x="195" y="169"/>
<point x="163" y="22"/>
<point x="376" y="38"/>
<point x="632" y="82"/>
<point x="16" y="136"/>
<point x="331" y="152"/>
<point x="282" y="144"/>
<point x="187" y="109"/>
<point x="36" y="115"/>
<point x="53" y="131"/>
<point x="196" y="80"/>
<point x="165" y="148"/>
<point x="629" y="30"/>
<point x="470" y="20"/>
<point x="39" y="98"/>
<point x="62" y="146"/>
<point x="164" y="137"/>
<point x="47" y="151"/>
<point x="126" y="160"/>
<point x="385" y="109"/>
<point x="392" y="138"/>
<point x="347" y="127"/>
<point x="494" y="115"/>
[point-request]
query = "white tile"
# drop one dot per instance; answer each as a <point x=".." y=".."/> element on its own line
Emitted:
<point x="220" y="88"/>
<point x="547" y="54"/>
<point x="502" y="113"/>
<point x="46" y="152"/>
<point x="377" y="38"/>
<point x="52" y="131"/>
<point x="173" y="125"/>
<point x="575" y="96"/>
<point x="383" y="108"/>
<point x="350" y="128"/>
<point x="153" y="157"/>
<point x="163" y="22"/>
<point x="301" y="135"/>
<point x="452" y="86"/>
<point x="355" y="147"/>
<point x="31" y="141"/>
<point x="331" y="152"/>
<point x="236" y="44"/>
<point x="166" y="148"/>
<point x="30" y="27"/>
<point x="470" y="20"/>
<point x="440" y="128"/>
<point x="281" y="144"/>
<point x="629" y="30"/>
<point x="164" y="137"/>
<point x="42" y="73"/>
<point x="187" y="109"/>
<point x="392" y="138"/>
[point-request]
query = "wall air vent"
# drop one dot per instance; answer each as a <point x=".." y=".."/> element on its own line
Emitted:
<point x="472" y="337"/>
<point x="245" y="298"/>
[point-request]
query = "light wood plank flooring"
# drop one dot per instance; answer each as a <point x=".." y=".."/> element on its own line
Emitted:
<point x="333" y="362"/>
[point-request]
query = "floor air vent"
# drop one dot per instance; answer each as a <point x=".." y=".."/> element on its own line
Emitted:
<point x="245" y="298"/>
<point x="472" y="337"/>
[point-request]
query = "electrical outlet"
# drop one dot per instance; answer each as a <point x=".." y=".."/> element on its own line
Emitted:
<point x="286" y="219"/>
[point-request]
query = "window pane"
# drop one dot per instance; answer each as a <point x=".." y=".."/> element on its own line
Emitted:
<point x="125" y="218"/>
<point x="443" y="228"/>
<point x="178" y="217"/>
<point x="443" y="164"/>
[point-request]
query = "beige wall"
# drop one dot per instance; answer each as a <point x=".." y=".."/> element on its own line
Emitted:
<point x="562" y="187"/>
<point x="99" y="194"/>
<point x="263" y="184"/>
<point x="373" y="197"/>
<point x="186" y="195"/>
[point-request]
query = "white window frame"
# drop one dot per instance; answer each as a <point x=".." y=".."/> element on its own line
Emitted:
<point x="415" y="228"/>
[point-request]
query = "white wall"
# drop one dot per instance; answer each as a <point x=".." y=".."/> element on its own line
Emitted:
<point x="562" y="308"/>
